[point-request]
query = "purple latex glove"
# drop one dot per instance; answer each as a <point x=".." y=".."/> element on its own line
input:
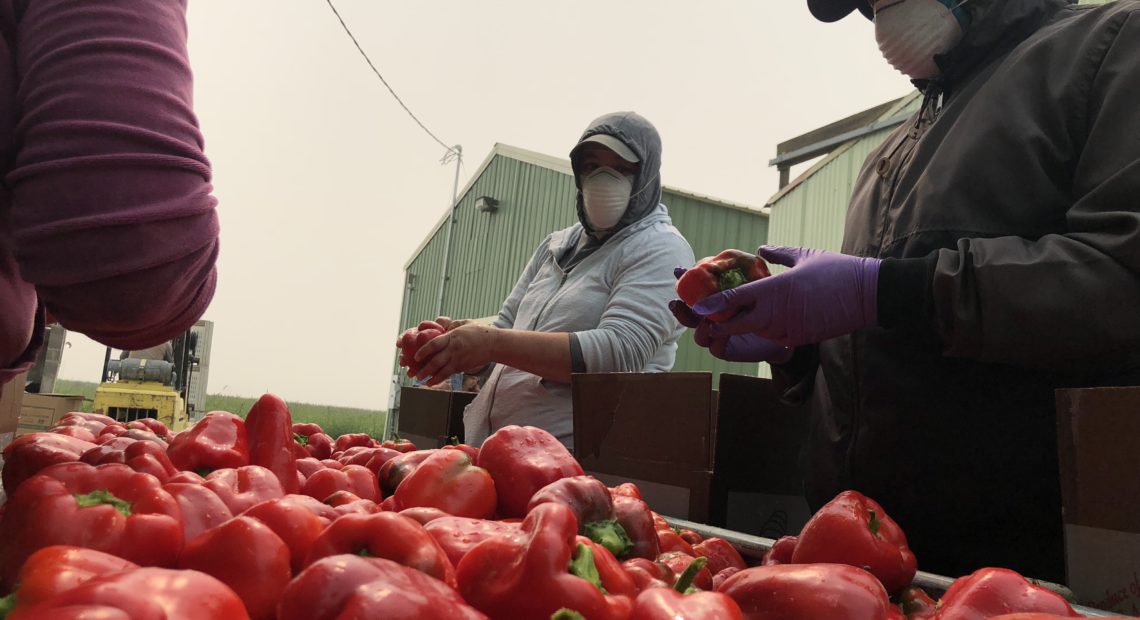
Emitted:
<point x="822" y="296"/>
<point x="734" y="348"/>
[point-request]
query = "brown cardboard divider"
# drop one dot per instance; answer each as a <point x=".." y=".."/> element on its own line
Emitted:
<point x="651" y="427"/>
<point x="39" y="412"/>
<point x="11" y="399"/>
<point x="1098" y="440"/>
<point x="430" y="418"/>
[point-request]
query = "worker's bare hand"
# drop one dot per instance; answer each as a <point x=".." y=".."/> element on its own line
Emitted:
<point x="449" y="323"/>
<point x="462" y="348"/>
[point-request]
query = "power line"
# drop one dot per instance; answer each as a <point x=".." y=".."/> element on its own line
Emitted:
<point x="451" y="150"/>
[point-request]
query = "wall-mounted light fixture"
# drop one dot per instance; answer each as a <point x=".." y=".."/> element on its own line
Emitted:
<point x="486" y="204"/>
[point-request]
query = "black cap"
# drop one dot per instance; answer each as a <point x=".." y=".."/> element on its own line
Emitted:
<point x="835" y="10"/>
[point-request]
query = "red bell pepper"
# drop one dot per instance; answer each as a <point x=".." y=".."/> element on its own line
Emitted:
<point x="781" y="551"/>
<point x="459" y="535"/>
<point x="648" y="573"/>
<point x="269" y="429"/>
<point x="679" y="602"/>
<point x="1040" y="616"/>
<point x="627" y="489"/>
<point x="217" y="441"/>
<point x="471" y="451"/>
<point x="425" y="514"/>
<point x="28" y="454"/>
<point x="344" y="587"/>
<point x="77" y="432"/>
<point x="916" y="604"/>
<point x="152" y="425"/>
<point x="384" y="535"/>
<point x="141" y="594"/>
<point x="186" y="477"/>
<point x="790" y="591"/>
<point x="138" y="434"/>
<point x="355" y="479"/>
<point x="93" y="417"/>
<point x="714" y="274"/>
<point x="393" y="472"/>
<point x="593" y="507"/>
<point x="636" y="520"/>
<point x="613" y="577"/>
<point x="296" y="521"/>
<point x="412" y="339"/>
<point x="141" y="456"/>
<point x="854" y="529"/>
<point x="448" y="480"/>
<point x="247" y="556"/>
<point x="354" y="507"/>
<point x="201" y="508"/>
<point x="720" y="553"/>
<point x="109" y="508"/>
<point x="306" y="429"/>
<point x="319" y="446"/>
<point x="352" y="440"/>
<point x="241" y="488"/>
<point x="989" y="592"/>
<point x="679" y="562"/>
<point x="722" y="576"/>
<point x="528" y="578"/>
<point x="669" y="540"/>
<point x="309" y="466"/>
<point x="522" y="460"/>
<point x="372" y="458"/>
<point x="56" y="569"/>
<point x="398" y="444"/>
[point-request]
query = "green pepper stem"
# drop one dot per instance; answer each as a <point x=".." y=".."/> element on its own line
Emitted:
<point x="874" y="523"/>
<point x="731" y="279"/>
<point x="6" y="604"/>
<point x="685" y="581"/>
<point x="609" y="534"/>
<point x="566" y="614"/>
<point x="301" y="439"/>
<point x="582" y="565"/>
<point x="103" y="496"/>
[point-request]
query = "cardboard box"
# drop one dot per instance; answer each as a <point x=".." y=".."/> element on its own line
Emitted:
<point x="430" y="418"/>
<point x="655" y="429"/>
<point x="39" y="412"/>
<point x="1098" y="435"/>
<point x="11" y="398"/>
<point x="758" y="480"/>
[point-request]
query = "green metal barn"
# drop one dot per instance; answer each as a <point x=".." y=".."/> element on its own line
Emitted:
<point x="511" y="203"/>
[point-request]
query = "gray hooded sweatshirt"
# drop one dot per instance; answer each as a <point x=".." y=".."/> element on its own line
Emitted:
<point x="614" y="302"/>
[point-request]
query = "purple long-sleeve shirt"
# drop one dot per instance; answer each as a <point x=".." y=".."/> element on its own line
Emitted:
<point x="106" y="214"/>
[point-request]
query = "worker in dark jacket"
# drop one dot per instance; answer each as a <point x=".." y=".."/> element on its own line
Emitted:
<point x="991" y="255"/>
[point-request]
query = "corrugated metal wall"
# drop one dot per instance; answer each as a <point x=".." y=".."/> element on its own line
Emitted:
<point x="489" y="250"/>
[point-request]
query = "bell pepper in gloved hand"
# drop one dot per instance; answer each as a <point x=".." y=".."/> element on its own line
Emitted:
<point x="247" y="556"/>
<point x="528" y="579"/>
<point x="448" y="480"/>
<point x="296" y="522"/>
<point x="384" y="535"/>
<point x="781" y="551"/>
<point x="522" y="460"/>
<point x="348" y="586"/>
<point x="636" y="520"/>
<point x="217" y="441"/>
<point x="678" y="602"/>
<point x="241" y="488"/>
<point x="141" y="594"/>
<point x="720" y="554"/>
<point x="854" y="529"/>
<point x="202" y="509"/>
<point x="28" y="454"/>
<point x="142" y="456"/>
<point x="355" y="479"/>
<point x="56" y="569"/>
<point x="269" y="430"/>
<point x="593" y="507"/>
<point x="989" y="592"/>
<point x="713" y="274"/>
<point x="109" y="508"/>
<point x="793" y="591"/>
<point x="458" y="535"/>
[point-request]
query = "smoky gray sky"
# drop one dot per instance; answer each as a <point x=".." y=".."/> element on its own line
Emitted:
<point x="326" y="186"/>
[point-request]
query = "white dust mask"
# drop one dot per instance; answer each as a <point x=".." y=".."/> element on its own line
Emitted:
<point x="605" y="196"/>
<point x="911" y="32"/>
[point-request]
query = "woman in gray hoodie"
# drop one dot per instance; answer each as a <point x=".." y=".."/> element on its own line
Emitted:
<point x="592" y="299"/>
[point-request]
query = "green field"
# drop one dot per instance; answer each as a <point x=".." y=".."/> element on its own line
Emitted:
<point x="335" y="420"/>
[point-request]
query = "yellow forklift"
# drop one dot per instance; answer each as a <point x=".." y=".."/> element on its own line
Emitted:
<point x="134" y="388"/>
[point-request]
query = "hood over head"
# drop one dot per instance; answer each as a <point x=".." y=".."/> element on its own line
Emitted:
<point x="641" y="137"/>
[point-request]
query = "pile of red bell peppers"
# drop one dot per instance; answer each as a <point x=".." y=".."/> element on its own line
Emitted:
<point x="260" y="518"/>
